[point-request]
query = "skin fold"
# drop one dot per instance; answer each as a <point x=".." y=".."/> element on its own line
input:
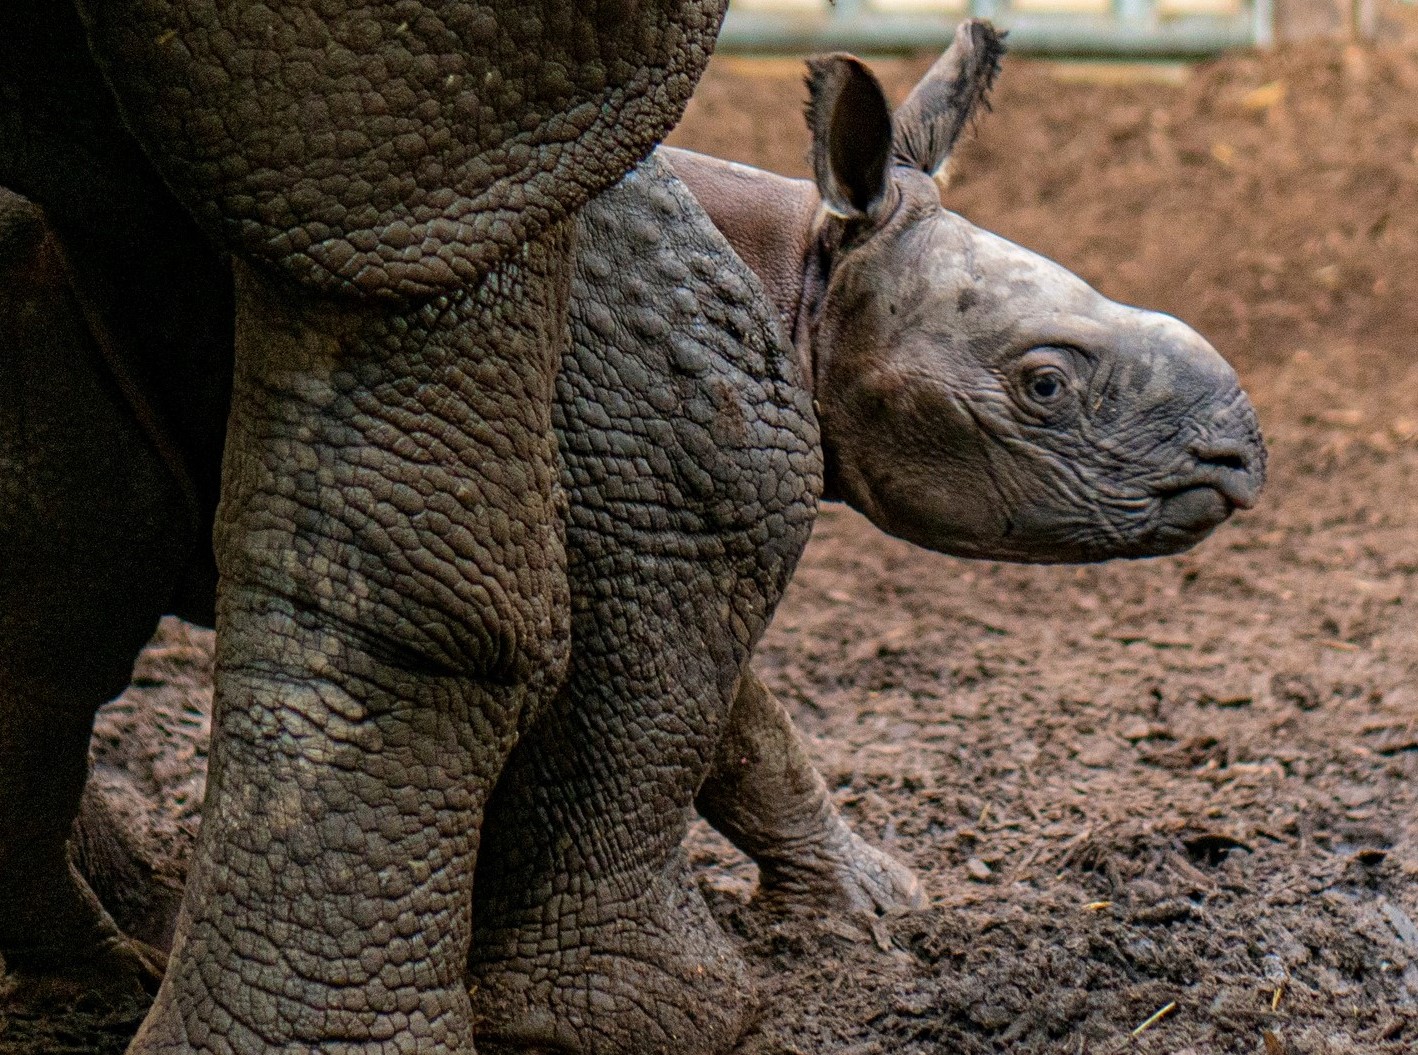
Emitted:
<point x="397" y="620"/>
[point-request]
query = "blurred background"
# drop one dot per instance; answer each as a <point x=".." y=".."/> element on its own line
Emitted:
<point x="1069" y="27"/>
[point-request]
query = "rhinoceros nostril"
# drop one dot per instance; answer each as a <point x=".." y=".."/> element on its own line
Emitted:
<point x="1227" y="461"/>
<point x="1224" y="455"/>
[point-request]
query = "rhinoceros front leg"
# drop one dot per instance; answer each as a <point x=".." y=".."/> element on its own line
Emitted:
<point x="392" y="601"/>
<point x="766" y="796"/>
<point x="591" y="936"/>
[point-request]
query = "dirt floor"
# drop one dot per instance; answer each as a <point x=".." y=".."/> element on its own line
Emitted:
<point x="1184" y="788"/>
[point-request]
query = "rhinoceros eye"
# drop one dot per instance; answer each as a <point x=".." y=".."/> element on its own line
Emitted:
<point x="1045" y="384"/>
<point x="1043" y="380"/>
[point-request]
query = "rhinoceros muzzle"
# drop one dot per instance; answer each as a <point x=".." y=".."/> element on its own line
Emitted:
<point x="1228" y="475"/>
<point x="1235" y="468"/>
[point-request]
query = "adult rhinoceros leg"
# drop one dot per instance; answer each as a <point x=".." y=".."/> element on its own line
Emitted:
<point x="393" y="594"/>
<point x="92" y="538"/>
<point x="690" y="455"/>
<point x="392" y="600"/>
<point x="766" y="796"/>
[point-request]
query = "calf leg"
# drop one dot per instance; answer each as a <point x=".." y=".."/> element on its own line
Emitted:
<point x="589" y="936"/>
<point x="764" y="794"/>
<point x="690" y="461"/>
<point x="93" y="532"/>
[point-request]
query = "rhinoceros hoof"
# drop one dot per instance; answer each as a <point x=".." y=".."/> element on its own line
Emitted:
<point x="839" y="871"/>
<point x="648" y="975"/>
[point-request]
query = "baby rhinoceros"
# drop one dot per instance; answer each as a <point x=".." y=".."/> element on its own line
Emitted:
<point x="973" y="397"/>
<point x="970" y="396"/>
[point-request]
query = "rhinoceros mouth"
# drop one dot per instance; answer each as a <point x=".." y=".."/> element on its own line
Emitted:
<point x="1225" y="478"/>
<point x="1196" y="509"/>
<point x="1234" y="468"/>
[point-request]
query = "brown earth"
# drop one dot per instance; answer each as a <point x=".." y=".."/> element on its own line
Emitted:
<point x="1188" y="784"/>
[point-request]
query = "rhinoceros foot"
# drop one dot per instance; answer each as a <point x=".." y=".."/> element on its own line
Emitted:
<point x="838" y="869"/>
<point x="636" y="973"/>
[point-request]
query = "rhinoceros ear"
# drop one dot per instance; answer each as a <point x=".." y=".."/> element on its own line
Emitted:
<point x="851" y="134"/>
<point x="935" y="113"/>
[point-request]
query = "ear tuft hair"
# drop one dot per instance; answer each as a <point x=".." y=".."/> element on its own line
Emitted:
<point x="851" y="128"/>
<point x="930" y="121"/>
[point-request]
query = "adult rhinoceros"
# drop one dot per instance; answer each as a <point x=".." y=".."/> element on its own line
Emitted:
<point x="393" y="181"/>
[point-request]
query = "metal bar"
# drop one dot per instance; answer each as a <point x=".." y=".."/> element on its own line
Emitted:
<point x="1136" y="12"/>
<point x="1263" y="23"/>
<point x="992" y="9"/>
<point x="1083" y="35"/>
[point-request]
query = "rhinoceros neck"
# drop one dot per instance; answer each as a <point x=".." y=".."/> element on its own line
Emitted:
<point x="767" y="218"/>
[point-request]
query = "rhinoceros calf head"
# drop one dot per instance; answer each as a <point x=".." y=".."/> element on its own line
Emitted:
<point x="975" y="397"/>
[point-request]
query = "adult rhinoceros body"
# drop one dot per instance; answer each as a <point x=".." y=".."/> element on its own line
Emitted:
<point x="394" y="180"/>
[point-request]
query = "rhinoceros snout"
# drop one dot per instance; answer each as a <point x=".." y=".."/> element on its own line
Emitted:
<point x="1192" y="385"/>
<point x="1224" y="472"/>
<point x="1234" y="467"/>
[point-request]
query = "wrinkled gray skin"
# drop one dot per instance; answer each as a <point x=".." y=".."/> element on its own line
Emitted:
<point x="395" y="183"/>
<point x="682" y="530"/>
<point x="672" y="518"/>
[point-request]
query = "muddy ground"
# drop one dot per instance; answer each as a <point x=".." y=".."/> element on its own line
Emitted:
<point x="1188" y="784"/>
